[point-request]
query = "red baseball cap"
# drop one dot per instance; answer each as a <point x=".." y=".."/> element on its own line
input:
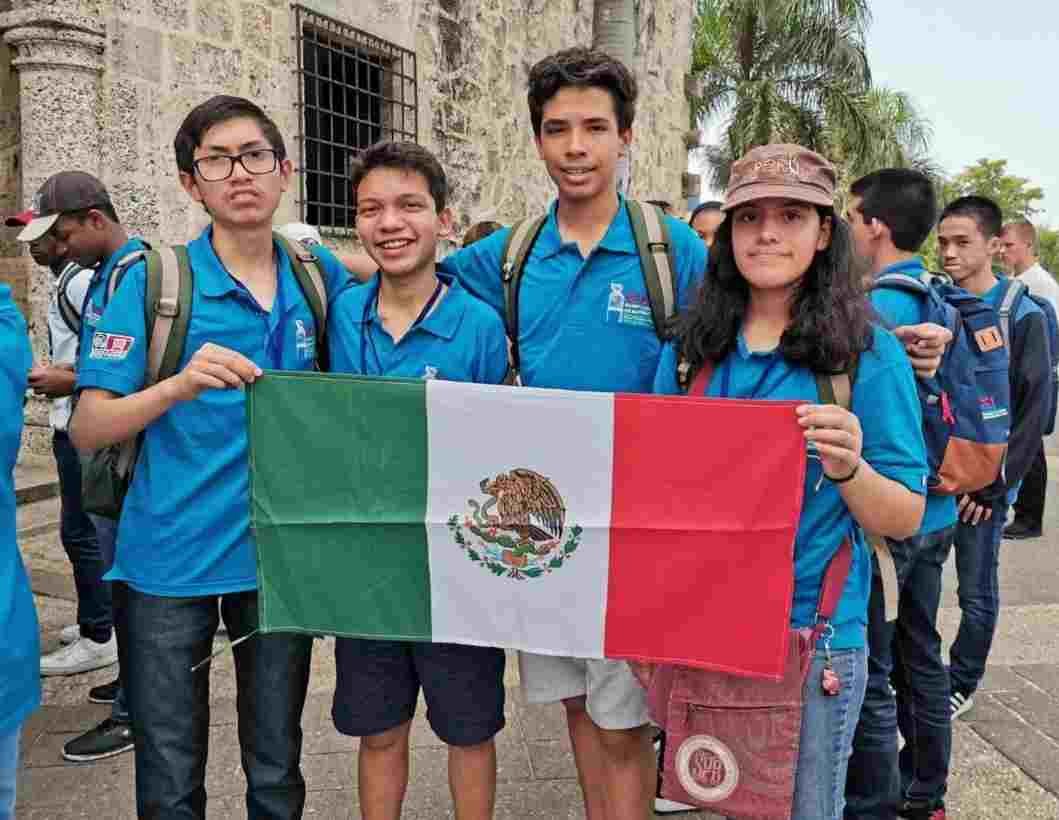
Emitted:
<point x="19" y="220"/>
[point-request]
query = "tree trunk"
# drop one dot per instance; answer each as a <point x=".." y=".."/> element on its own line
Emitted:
<point x="614" y="32"/>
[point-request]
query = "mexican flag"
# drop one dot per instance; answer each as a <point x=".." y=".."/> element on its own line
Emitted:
<point x="567" y="523"/>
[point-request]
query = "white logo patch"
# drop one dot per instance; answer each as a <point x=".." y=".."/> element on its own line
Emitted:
<point x="304" y="341"/>
<point x="430" y="372"/>
<point x="112" y="346"/>
<point x="707" y="769"/>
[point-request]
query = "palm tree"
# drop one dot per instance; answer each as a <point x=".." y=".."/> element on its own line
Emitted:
<point x="797" y="71"/>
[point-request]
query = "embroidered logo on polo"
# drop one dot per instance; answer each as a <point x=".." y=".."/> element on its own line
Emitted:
<point x="707" y="769"/>
<point x="304" y="341"/>
<point x="111" y="346"/>
<point x="627" y="308"/>
<point x="989" y="409"/>
<point x="92" y="313"/>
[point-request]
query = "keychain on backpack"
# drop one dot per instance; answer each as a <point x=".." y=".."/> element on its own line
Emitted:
<point x="829" y="679"/>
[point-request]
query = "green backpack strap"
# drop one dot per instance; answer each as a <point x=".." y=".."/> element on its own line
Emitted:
<point x="306" y="269"/>
<point x="838" y="389"/>
<point x="516" y="251"/>
<point x="166" y="313"/>
<point x="656" y="258"/>
<point x="167" y="310"/>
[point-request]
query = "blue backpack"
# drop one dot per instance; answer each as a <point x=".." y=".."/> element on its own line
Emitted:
<point x="966" y="405"/>
<point x="1009" y="307"/>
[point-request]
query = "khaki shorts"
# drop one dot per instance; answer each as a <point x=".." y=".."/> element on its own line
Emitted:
<point x="614" y="698"/>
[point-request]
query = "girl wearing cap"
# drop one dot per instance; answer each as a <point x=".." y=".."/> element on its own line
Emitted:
<point x="779" y="305"/>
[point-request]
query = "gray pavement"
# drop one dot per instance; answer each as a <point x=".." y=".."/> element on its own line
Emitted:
<point x="1005" y="750"/>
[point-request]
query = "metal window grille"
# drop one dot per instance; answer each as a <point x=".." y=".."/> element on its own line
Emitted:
<point x="354" y="89"/>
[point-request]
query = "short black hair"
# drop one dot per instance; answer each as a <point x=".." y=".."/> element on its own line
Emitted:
<point x="479" y="231"/>
<point x="583" y="68"/>
<point x="711" y="205"/>
<point x="984" y="211"/>
<point x="406" y="156"/>
<point x="214" y="111"/>
<point x="661" y="203"/>
<point x="903" y="200"/>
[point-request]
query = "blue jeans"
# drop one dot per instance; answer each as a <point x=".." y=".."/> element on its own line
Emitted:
<point x="828" y="722"/>
<point x="170" y="705"/>
<point x="78" y="537"/>
<point x="8" y="772"/>
<point x="978" y="591"/>
<point x="106" y="535"/>
<point x="906" y="652"/>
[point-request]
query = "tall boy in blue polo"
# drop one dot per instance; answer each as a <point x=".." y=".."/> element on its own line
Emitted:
<point x="19" y="633"/>
<point x="968" y="238"/>
<point x="891" y="212"/>
<point x="411" y="321"/>
<point x="585" y="324"/>
<point x="184" y="542"/>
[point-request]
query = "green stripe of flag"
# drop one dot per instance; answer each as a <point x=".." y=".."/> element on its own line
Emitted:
<point x="317" y="511"/>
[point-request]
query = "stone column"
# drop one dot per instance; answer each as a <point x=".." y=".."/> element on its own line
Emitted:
<point x="57" y="52"/>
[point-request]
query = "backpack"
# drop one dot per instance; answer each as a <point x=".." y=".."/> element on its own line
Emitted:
<point x="966" y="405"/>
<point x="656" y="259"/>
<point x="68" y="311"/>
<point x="107" y="473"/>
<point x="1016" y="289"/>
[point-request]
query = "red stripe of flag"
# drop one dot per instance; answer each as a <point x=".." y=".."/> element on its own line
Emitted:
<point x="707" y="496"/>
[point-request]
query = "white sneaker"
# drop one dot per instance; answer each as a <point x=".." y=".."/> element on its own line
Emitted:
<point x="83" y="655"/>
<point x="958" y="704"/>
<point x="69" y="634"/>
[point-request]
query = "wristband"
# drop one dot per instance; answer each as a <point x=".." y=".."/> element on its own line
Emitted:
<point x="850" y="477"/>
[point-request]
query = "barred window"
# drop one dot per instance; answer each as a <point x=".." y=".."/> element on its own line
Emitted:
<point x="354" y="89"/>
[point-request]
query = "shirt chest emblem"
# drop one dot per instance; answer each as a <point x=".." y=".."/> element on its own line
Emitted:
<point x="627" y="307"/>
<point x="304" y="340"/>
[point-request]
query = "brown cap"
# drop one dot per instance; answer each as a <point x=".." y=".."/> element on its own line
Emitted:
<point x="61" y="193"/>
<point x="783" y="171"/>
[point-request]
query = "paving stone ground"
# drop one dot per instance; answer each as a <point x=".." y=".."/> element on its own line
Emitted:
<point x="1005" y="750"/>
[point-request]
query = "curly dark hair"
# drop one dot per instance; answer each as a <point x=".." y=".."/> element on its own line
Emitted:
<point x="830" y="317"/>
<point x="583" y="68"/>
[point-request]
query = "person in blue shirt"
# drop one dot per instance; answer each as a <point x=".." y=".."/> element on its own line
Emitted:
<point x="891" y="213"/>
<point x="411" y="321"/>
<point x="19" y="632"/>
<point x="781" y="261"/>
<point x="572" y="335"/>
<point x="184" y="545"/>
<point x="79" y="215"/>
<point x="968" y="237"/>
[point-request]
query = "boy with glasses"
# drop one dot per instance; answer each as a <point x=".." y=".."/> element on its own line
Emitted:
<point x="184" y="541"/>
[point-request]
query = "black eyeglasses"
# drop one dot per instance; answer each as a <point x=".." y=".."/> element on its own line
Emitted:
<point x="257" y="161"/>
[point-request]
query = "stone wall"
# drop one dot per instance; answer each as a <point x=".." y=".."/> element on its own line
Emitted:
<point x="138" y="66"/>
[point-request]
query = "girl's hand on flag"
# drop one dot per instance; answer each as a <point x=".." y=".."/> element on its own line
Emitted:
<point x="214" y="368"/>
<point x="837" y="436"/>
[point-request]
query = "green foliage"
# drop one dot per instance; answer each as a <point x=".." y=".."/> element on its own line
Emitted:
<point x="1048" y="242"/>
<point x="1015" y="195"/>
<point x="797" y="71"/>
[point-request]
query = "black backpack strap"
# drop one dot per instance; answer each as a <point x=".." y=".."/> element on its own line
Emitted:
<point x="306" y="268"/>
<point x="68" y="311"/>
<point x="656" y="259"/>
<point x="516" y="251"/>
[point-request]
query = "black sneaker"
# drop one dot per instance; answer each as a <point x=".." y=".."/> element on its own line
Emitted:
<point x="105" y="692"/>
<point x="1017" y="530"/>
<point x="109" y="738"/>
<point x="920" y="810"/>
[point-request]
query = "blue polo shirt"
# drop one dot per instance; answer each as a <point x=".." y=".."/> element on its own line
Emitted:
<point x="584" y="323"/>
<point x="897" y="308"/>
<point x="96" y="295"/>
<point x="886" y="402"/>
<point x="461" y="339"/>
<point x="185" y="524"/>
<point x="19" y="633"/>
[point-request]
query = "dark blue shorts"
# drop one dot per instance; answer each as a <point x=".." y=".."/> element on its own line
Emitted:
<point x="378" y="685"/>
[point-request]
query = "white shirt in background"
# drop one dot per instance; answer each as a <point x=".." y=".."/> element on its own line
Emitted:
<point x="1042" y="284"/>
<point x="63" y="342"/>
